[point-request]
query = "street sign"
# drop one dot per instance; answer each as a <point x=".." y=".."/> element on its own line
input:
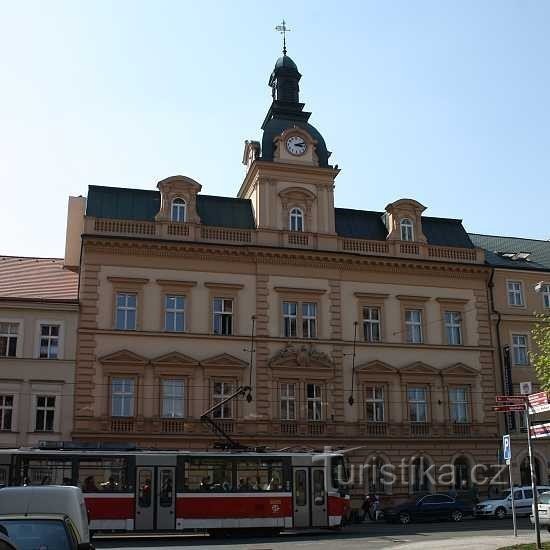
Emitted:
<point x="538" y="402"/>
<point x="516" y="399"/>
<point x="540" y="430"/>
<point x="506" y="448"/>
<point x="525" y="388"/>
<point x="534" y="409"/>
<point x="509" y="408"/>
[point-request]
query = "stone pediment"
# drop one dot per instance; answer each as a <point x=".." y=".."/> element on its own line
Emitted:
<point x="419" y="368"/>
<point x="460" y="369"/>
<point x="300" y="356"/>
<point x="224" y="360"/>
<point x="174" y="358"/>
<point x="123" y="357"/>
<point x="375" y="367"/>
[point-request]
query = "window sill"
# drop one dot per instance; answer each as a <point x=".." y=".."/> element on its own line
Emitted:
<point x="44" y="432"/>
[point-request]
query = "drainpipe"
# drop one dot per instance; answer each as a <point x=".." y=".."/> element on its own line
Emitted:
<point x="491" y="286"/>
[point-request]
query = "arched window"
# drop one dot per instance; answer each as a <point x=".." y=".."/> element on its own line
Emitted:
<point x="178" y="210"/>
<point x="461" y="473"/>
<point x="296" y="220"/>
<point x="407" y="230"/>
<point x="420" y="481"/>
<point x="374" y="476"/>
<point x="525" y="471"/>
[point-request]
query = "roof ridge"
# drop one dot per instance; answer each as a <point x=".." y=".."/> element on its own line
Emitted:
<point x="507" y="237"/>
<point x="6" y="256"/>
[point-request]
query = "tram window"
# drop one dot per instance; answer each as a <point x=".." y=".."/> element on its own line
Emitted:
<point x="46" y="472"/>
<point x="300" y="488"/>
<point x="209" y="475"/>
<point x="319" y="486"/>
<point x="166" y="488"/>
<point x="103" y="475"/>
<point x="144" y="486"/>
<point x="339" y="472"/>
<point x="255" y="475"/>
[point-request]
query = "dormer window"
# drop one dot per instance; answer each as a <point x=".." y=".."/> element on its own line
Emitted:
<point x="406" y="230"/>
<point x="296" y="219"/>
<point x="178" y="210"/>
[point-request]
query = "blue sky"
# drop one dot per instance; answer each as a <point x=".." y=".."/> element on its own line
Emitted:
<point x="442" y="101"/>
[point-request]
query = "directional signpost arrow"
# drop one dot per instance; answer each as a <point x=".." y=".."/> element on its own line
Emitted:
<point x="517" y="399"/>
<point x="509" y="408"/>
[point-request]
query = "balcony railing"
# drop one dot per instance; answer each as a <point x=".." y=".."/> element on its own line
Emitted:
<point x="294" y="239"/>
<point x="288" y="428"/>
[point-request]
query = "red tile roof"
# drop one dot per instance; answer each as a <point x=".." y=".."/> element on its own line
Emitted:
<point x="37" y="279"/>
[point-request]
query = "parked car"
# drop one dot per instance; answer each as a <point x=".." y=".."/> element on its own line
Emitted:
<point x="429" y="507"/>
<point x="501" y="507"/>
<point x="5" y="542"/>
<point x="544" y="510"/>
<point x="52" y="517"/>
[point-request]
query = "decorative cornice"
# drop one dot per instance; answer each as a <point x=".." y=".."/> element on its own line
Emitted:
<point x="457" y="301"/>
<point x="128" y="280"/>
<point x="410" y="298"/>
<point x="317" y="259"/>
<point x="176" y="283"/>
<point x="225" y="286"/>
<point x="295" y="290"/>
<point x="371" y="295"/>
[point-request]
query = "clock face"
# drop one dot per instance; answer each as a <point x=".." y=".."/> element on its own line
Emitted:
<point x="296" y="145"/>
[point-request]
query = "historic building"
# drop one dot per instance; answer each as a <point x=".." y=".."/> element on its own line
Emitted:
<point x="371" y="328"/>
<point x="517" y="297"/>
<point x="38" y="323"/>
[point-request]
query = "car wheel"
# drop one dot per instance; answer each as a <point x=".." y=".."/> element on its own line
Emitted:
<point x="500" y="513"/>
<point x="456" y="515"/>
<point x="404" y="518"/>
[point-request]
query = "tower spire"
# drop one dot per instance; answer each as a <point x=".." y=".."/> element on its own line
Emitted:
<point x="283" y="29"/>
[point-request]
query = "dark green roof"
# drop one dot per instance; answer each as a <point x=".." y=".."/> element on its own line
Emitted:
<point x="365" y="224"/>
<point x="496" y="245"/>
<point x="138" y="204"/>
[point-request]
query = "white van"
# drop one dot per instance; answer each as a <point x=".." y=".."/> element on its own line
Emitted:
<point x="46" y="511"/>
<point x="501" y="507"/>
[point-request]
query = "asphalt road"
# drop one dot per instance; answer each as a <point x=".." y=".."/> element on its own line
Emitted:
<point x="475" y="534"/>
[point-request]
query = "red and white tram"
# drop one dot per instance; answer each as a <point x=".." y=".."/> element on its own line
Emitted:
<point x="148" y="490"/>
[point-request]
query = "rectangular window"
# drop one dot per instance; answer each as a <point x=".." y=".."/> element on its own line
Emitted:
<point x="519" y="349"/>
<point x="314" y="402"/>
<point x="173" y="391"/>
<point x="458" y="401"/>
<point x="6" y="412"/>
<point x="45" y="413"/>
<point x="309" y="320"/>
<point x="371" y="324"/>
<point x="49" y="341"/>
<point x="122" y="397"/>
<point x="453" y="327"/>
<point x="223" y="316"/>
<point x="515" y="293"/>
<point x="8" y="339"/>
<point x="374" y="404"/>
<point x="413" y="326"/>
<point x="174" y="313"/>
<point x="546" y="296"/>
<point x="418" y="404"/>
<point x="288" y="401"/>
<point x="290" y="319"/>
<point x="221" y="391"/>
<point x="126" y="309"/>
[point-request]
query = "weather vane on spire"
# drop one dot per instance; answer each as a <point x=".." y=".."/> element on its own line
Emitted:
<point x="283" y="29"/>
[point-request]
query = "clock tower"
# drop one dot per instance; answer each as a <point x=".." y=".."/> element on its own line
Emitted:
<point x="288" y="178"/>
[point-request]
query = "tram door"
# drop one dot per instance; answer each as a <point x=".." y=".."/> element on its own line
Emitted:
<point x="301" y="497"/>
<point x="155" y="498"/>
<point x="319" y="516"/>
<point x="4" y="475"/>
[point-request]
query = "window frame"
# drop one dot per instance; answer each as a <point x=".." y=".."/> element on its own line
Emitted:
<point x="175" y="311"/>
<point x="18" y="336"/>
<point x="466" y="404"/>
<point x="515" y="292"/>
<point x="514" y="347"/>
<point x="545" y="295"/>
<point x="370" y="322"/>
<point x="3" y="408"/>
<point x="450" y="326"/>
<point x="299" y="318"/>
<point x="296" y="220"/>
<point x="426" y="403"/>
<point x="50" y="338"/>
<point x="125" y="309"/>
<point x="419" y="324"/>
<point x="406" y="230"/>
<point x="216" y="398"/>
<point x="223" y="314"/>
<point x="314" y="401"/>
<point x="178" y="203"/>
<point x="163" y="397"/>
<point x="285" y="398"/>
<point x="123" y="395"/>
<point x="45" y="409"/>
<point x="374" y="400"/>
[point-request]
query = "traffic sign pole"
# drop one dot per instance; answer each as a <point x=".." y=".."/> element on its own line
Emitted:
<point x="507" y="454"/>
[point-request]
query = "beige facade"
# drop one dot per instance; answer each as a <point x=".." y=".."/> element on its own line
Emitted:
<point x="38" y="324"/>
<point x="371" y="329"/>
